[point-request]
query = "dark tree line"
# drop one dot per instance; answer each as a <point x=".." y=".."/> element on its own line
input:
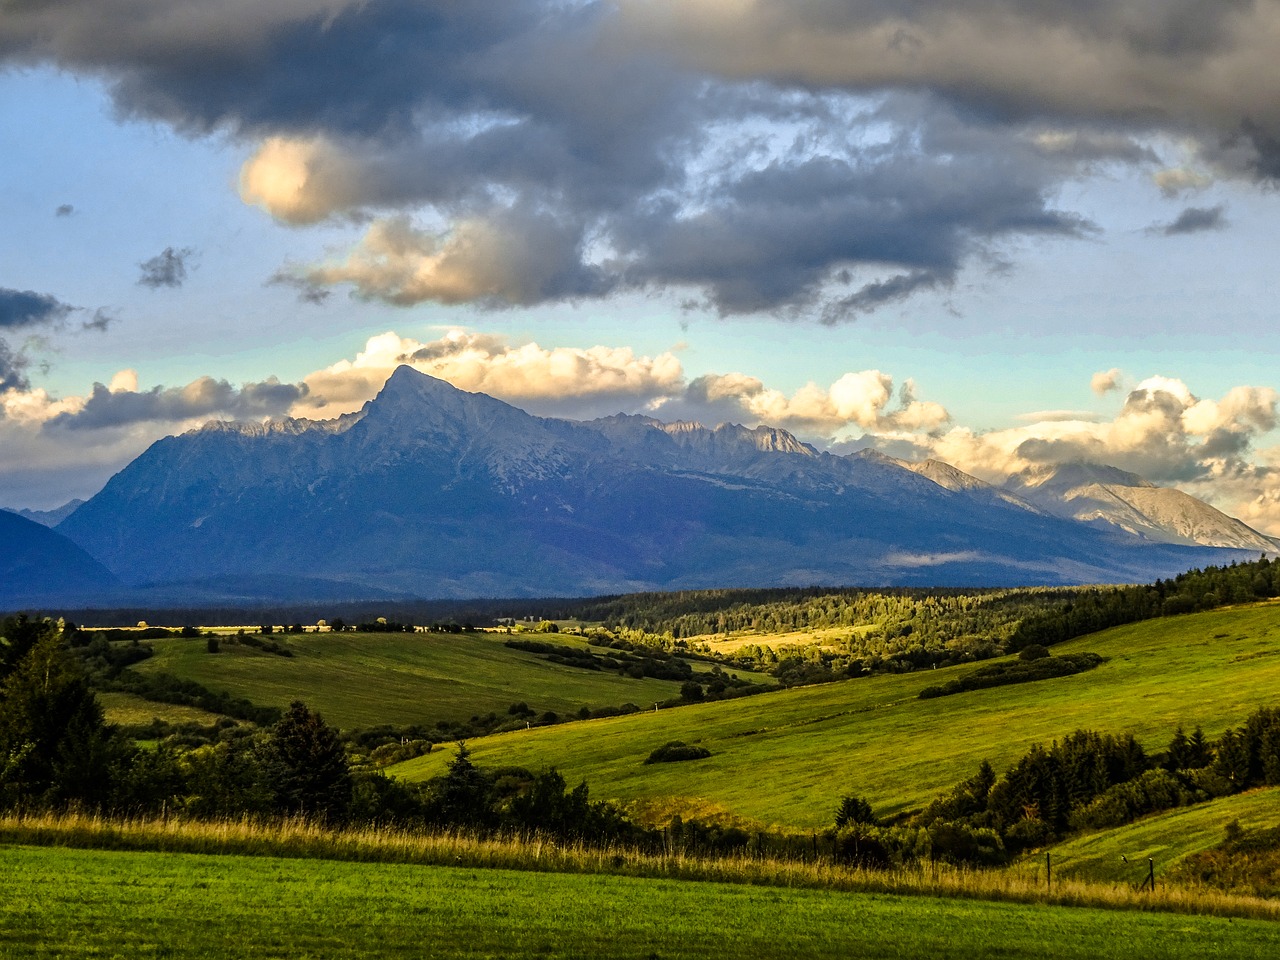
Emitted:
<point x="1087" y="780"/>
<point x="1091" y="610"/>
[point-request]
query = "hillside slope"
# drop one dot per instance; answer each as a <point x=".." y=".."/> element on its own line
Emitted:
<point x="788" y="757"/>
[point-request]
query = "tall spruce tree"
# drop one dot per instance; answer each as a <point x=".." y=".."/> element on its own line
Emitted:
<point x="55" y="745"/>
<point x="307" y="766"/>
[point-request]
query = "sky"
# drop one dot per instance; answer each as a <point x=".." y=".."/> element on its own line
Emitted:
<point x="1001" y="233"/>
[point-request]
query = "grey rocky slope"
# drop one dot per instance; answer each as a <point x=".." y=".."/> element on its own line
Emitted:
<point x="1096" y="493"/>
<point x="435" y="492"/>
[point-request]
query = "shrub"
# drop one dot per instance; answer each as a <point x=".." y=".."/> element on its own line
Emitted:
<point x="674" y="751"/>
<point x="854" y="810"/>
<point x="1153" y="791"/>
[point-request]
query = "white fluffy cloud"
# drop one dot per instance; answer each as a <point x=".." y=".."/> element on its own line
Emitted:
<point x="518" y="256"/>
<point x="298" y="181"/>
<point x="1163" y="432"/>
<point x="863" y="400"/>
<point x="569" y="381"/>
<point x="598" y="381"/>
<point x="1104" y="381"/>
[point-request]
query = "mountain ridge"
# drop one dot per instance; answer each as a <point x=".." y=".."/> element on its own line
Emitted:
<point x="436" y="492"/>
<point x="1101" y="494"/>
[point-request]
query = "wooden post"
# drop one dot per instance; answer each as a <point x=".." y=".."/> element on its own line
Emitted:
<point x="1048" y="872"/>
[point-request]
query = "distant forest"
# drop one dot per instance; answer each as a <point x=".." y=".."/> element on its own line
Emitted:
<point x="897" y="630"/>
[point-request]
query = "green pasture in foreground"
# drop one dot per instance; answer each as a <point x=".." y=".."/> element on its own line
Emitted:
<point x="787" y="757"/>
<point x="57" y="902"/>
<point x="369" y="679"/>
<point x="1164" y="837"/>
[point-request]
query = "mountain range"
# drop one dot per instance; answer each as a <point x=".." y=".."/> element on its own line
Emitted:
<point x="430" y="491"/>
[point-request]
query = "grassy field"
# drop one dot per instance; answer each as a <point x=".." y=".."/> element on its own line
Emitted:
<point x="832" y="637"/>
<point x="127" y="709"/>
<point x="58" y="902"/>
<point x="1164" y="837"/>
<point x="787" y="757"/>
<point x="364" y="680"/>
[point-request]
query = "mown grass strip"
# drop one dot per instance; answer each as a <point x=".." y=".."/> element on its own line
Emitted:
<point x="298" y="839"/>
<point x="63" y="903"/>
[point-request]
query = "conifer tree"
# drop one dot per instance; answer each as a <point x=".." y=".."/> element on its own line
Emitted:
<point x="55" y="745"/>
<point x="307" y="765"/>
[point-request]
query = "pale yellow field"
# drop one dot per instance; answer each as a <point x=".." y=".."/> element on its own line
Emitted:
<point x="129" y="710"/>
<point x="827" y="637"/>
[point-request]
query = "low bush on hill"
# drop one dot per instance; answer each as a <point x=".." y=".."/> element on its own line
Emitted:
<point x="261" y="643"/>
<point x="1018" y="671"/>
<point x="673" y="751"/>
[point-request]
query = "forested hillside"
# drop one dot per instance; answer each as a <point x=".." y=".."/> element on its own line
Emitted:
<point x="891" y="630"/>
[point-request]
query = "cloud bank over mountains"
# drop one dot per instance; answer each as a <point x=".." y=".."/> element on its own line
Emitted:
<point x="812" y="157"/>
<point x="1161" y="430"/>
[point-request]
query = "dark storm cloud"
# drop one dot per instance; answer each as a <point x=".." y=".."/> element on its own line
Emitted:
<point x="28" y="311"/>
<point x="919" y="204"/>
<point x="1194" y="66"/>
<point x="205" y="397"/>
<point x="1193" y="220"/>
<point x="166" y="269"/>
<point x="681" y="146"/>
<point x="13" y="368"/>
<point x="26" y="308"/>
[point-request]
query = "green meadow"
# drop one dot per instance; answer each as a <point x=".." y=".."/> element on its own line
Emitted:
<point x="1163" y="837"/>
<point x="59" y="902"/>
<point x="370" y="679"/>
<point x="785" y="758"/>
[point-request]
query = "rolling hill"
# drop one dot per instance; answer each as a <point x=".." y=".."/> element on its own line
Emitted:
<point x="402" y="679"/>
<point x="38" y="565"/>
<point x="787" y="757"/>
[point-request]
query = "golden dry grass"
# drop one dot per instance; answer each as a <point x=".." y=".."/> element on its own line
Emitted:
<point x="306" y="839"/>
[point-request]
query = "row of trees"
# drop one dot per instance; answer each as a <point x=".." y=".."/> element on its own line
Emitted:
<point x="1091" y="610"/>
<point x="1087" y="780"/>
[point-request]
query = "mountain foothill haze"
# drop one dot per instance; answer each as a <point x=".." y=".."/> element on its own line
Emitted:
<point x="430" y="491"/>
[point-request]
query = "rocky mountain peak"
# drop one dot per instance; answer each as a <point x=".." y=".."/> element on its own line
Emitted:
<point x="1060" y="477"/>
<point x="945" y="475"/>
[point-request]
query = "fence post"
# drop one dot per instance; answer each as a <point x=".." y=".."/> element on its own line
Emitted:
<point x="1048" y="872"/>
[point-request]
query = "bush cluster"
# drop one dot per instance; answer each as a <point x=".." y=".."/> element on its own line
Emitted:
<point x="1018" y="671"/>
<point x="674" y="751"/>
